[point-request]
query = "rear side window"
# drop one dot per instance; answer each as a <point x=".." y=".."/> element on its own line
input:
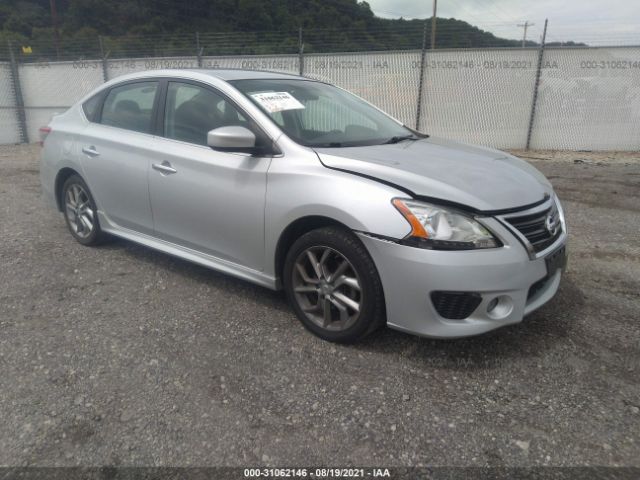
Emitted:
<point x="91" y="106"/>
<point x="130" y="106"/>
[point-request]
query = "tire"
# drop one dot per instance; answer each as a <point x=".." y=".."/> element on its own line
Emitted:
<point x="310" y="290"/>
<point x="79" y="209"/>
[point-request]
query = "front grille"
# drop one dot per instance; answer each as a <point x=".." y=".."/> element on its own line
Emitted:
<point x="455" y="305"/>
<point x="535" y="227"/>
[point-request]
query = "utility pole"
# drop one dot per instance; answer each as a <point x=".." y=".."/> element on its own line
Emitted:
<point x="433" y="24"/>
<point x="526" y="25"/>
<point x="54" y="21"/>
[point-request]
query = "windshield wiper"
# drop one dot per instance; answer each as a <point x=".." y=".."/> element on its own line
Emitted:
<point x="401" y="138"/>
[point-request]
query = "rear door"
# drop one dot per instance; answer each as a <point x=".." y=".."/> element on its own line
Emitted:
<point x="203" y="199"/>
<point x="116" y="149"/>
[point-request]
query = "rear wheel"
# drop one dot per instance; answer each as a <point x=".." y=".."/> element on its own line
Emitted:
<point x="80" y="212"/>
<point x="333" y="285"/>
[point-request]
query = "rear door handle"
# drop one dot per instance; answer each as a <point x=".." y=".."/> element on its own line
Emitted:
<point x="91" y="151"/>
<point x="164" y="168"/>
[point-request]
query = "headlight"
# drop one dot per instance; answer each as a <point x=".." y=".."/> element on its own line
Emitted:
<point x="563" y="221"/>
<point x="440" y="228"/>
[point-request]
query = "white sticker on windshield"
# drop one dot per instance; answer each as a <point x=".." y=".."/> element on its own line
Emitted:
<point x="277" y="101"/>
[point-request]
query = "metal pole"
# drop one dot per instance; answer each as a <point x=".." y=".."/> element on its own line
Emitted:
<point x="105" y="62"/>
<point x="433" y="24"/>
<point x="198" y="50"/>
<point x="54" y="21"/>
<point x="536" y="84"/>
<point x="17" y="91"/>
<point x="421" y="80"/>
<point x="300" y="53"/>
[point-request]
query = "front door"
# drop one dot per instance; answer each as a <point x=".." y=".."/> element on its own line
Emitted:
<point x="207" y="200"/>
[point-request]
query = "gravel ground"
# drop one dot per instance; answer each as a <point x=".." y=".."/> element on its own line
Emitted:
<point x="121" y="355"/>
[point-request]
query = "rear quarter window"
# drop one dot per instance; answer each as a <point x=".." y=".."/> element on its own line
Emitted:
<point x="91" y="106"/>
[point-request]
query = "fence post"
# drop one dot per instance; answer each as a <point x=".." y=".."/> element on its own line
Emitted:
<point x="300" y="53"/>
<point x="17" y="91"/>
<point x="198" y="50"/>
<point x="421" y="81"/>
<point x="536" y="84"/>
<point x="105" y="62"/>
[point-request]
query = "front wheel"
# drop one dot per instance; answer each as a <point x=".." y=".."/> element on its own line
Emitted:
<point x="333" y="285"/>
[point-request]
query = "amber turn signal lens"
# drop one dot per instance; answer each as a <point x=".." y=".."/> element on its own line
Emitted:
<point x="417" y="230"/>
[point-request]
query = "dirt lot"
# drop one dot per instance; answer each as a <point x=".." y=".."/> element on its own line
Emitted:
<point x="120" y="355"/>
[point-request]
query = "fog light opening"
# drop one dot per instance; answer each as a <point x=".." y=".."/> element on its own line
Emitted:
<point x="500" y="307"/>
<point x="492" y="305"/>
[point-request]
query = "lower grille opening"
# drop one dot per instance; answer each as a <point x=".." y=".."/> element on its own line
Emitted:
<point x="455" y="305"/>
<point x="536" y="287"/>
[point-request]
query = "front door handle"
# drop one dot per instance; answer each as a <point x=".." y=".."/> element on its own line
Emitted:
<point x="91" y="151"/>
<point x="164" y="168"/>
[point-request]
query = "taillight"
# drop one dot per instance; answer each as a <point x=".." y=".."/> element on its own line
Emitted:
<point x="44" y="131"/>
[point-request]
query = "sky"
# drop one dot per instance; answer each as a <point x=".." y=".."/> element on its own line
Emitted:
<point x="614" y="22"/>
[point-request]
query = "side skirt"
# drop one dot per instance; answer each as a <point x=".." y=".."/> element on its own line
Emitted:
<point x="209" y="261"/>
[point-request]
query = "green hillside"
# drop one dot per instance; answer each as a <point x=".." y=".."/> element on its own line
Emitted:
<point x="148" y="27"/>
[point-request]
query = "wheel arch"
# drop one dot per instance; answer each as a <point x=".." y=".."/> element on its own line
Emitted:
<point x="61" y="177"/>
<point x="295" y="230"/>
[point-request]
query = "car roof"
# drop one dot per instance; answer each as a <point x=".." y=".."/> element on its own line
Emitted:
<point x="240" y="74"/>
<point x="222" y="74"/>
<point x="201" y="74"/>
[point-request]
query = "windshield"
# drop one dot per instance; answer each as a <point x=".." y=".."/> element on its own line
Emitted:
<point x="316" y="114"/>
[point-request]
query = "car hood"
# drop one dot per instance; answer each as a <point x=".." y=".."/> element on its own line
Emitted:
<point x="481" y="178"/>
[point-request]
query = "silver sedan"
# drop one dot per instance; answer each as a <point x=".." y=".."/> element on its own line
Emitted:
<point x="297" y="184"/>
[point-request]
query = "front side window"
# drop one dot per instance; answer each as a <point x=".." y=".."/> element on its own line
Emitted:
<point x="192" y="111"/>
<point x="316" y="114"/>
<point x="130" y="106"/>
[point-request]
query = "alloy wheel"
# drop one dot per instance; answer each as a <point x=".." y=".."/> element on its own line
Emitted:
<point x="327" y="288"/>
<point x="78" y="210"/>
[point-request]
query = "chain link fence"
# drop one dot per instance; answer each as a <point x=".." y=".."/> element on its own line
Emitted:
<point x="588" y="99"/>
<point x="575" y="98"/>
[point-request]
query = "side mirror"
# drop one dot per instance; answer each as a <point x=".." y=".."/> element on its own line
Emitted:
<point x="232" y="139"/>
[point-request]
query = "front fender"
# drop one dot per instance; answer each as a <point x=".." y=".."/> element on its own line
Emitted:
<point x="302" y="189"/>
